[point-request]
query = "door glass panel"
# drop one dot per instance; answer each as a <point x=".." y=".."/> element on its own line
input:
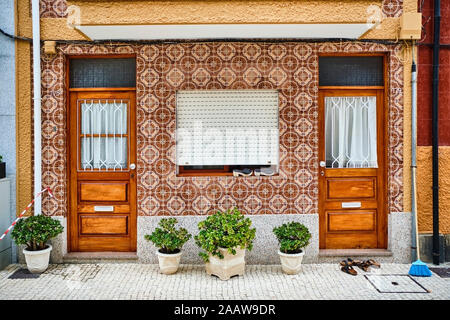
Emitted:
<point x="103" y="126"/>
<point x="351" y="132"/>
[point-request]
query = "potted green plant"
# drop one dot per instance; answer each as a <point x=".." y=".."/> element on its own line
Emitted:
<point x="292" y="237"/>
<point x="34" y="232"/>
<point x="169" y="240"/>
<point x="225" y="236"/>
<point x="2" y="168"/>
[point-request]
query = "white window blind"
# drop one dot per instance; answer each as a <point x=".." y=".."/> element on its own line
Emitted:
<point x="351" y="132"/>
<point x="227" y="127"/>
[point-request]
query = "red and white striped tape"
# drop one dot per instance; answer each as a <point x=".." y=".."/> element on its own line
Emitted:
<point x="26" y="209"/>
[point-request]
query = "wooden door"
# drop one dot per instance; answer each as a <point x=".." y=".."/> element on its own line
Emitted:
<point x="102" y="153"/>
<point x="352" y="183"/>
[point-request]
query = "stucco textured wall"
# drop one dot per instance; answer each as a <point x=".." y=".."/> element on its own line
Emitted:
<point x="424" y="187"/>
<point x="230" y="11"/>
<point x="24" y="118"/>
<point x="225" y="11"/>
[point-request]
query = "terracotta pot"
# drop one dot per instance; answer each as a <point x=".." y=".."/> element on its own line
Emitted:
<point x="230" y="265"/>
<point x="168" y="262"/>
<point x="37" y="261"/>
<point x="291" y="263"/>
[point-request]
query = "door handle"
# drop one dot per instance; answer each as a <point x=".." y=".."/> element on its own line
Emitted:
<point x="322" y="164"/>
<point x="132" y="166"/>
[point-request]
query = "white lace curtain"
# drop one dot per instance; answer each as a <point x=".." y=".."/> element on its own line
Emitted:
<point x="351" y="132"/>
<point x="104" y="129"/>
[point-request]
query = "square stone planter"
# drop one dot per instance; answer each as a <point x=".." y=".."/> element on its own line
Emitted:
<point x="231" y="265"/>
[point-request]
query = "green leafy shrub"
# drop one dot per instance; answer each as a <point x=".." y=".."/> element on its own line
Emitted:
<point x="292" y="236"/>
<point x="224" y="230"/>
<point x="167" y="238"/>
<point x="35" y="231"/>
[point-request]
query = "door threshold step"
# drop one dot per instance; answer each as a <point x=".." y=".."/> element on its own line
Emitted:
<point x="355" y="253"/>
<point x="99" y="257"/>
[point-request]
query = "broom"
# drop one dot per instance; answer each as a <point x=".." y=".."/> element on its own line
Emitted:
<point x="418" y="268"/>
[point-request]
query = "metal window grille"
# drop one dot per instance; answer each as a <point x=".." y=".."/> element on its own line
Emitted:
<point x="351" y="132"/>
<point x="103" y="134"/>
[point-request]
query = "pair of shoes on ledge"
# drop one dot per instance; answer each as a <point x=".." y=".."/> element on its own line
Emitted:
<point x="258" y="172"/>
<point x="264" y="171"/>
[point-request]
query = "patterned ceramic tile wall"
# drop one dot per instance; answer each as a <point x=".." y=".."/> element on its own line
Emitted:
<point x="292" y="68"/>
<point x="57" y="8"/>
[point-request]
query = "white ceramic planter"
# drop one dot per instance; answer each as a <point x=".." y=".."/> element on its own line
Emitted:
<point x="168" y="263"/>
<point x="37" y="261"/>
<point x="291" y="263"/>
<point x="227" y="267"/>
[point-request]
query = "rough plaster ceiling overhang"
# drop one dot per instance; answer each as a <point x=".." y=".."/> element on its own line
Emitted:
<point x="224" y="31"/>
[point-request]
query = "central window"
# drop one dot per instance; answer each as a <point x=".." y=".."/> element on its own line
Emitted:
<point x="222" y="131"/>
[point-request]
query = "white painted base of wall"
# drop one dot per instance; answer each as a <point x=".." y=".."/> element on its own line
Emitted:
<point x="265" y="246"/>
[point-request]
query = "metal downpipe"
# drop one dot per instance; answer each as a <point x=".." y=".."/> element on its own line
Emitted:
<point x="435" y="129"/>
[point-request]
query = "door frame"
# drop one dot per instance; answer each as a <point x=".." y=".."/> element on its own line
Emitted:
<point x="382" y="146"/>
<point x="133" y="148"/>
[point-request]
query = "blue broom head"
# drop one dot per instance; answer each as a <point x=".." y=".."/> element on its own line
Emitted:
<point x="419" y="269"/>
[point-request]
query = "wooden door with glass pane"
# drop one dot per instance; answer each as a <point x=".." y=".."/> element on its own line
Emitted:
<point x="102" y="154"/>
<point x="352" y="184"/>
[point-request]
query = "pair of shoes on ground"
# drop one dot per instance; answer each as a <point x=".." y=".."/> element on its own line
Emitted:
<point x="347" y="265"/>
<point x="264" y="171"/>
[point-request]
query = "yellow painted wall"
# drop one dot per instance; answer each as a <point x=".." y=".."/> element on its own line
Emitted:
<point x="407" y="60"/>
<point x="24" y="150"/>
<point x="424" y="187"/>
<point x="225" y="11"/>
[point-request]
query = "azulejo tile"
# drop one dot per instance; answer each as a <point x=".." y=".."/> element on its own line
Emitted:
<point x="392" y="8"/>
<point x="277" y="76"/>
<point x="201" y="51"/>
<point x="53" y="8"/>
<point x="252" y="76"/>
<point x="201" y="77"/>
<point x="226" y="76"/>
<point x="277" y="51"/>
<point x="226" y="51"/>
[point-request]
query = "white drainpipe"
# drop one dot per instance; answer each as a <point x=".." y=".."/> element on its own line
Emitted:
<point x="37" y="104"/>
<point x="415" y="254"/>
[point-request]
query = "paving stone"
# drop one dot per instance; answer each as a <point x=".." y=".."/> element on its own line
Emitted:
<point x="143" y="281"/>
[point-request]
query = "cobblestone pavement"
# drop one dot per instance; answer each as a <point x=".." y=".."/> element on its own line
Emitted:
<point x="143" y="281"/>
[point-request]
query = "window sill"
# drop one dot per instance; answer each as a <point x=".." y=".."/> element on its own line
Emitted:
<point x="205" y="174"/>
<point x="220" y="174"/>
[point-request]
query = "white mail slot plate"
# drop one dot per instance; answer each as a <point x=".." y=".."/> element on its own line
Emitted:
<point x="104" y="208"/>
<point x="351" y="204"/>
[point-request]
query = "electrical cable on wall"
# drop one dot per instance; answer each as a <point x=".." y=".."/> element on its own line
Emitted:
<point x="14" y="37"/>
